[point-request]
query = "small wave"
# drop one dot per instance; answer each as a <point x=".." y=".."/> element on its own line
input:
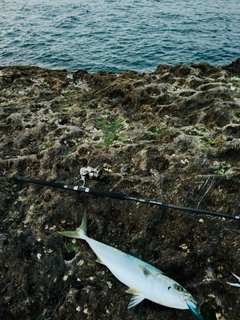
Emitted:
<point x="118" y="35"/>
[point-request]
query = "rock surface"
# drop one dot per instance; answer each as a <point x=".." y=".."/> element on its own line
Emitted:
<point x="171" y="136"/>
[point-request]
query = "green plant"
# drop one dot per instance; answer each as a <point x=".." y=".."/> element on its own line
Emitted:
<point x="3" y="105"/>
<point x="209" y="142"/>
<point x="221" y="167"/>
<point x="110" y="128"/>
<point x="91" y="106"/>
<point x="43" y="86"/>
<point x="14" y="216"/>
<point x="68" y="94"/>
<point x="122" y="138"/>
<point x="197" y="130"/>
<point x="71" y="247"/>
<point x="156" y="130"/>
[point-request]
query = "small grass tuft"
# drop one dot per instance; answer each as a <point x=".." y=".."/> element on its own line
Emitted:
<point x="71" y="247"/>
<point x="4" y="105"/>
<point x="68" y="94"/>
<point x="156" y="130"/>
<point x="209" y="142"/>
<point x="221" y="167"/>
<point x="110" y="128"/>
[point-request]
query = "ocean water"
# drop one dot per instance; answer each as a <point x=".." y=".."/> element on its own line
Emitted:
<point x="118" y="35"/>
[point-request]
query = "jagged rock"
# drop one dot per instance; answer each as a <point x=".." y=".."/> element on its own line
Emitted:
<point x="170" y="136"/>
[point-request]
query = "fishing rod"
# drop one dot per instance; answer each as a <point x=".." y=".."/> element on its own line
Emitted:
<point x="120" y="196"/>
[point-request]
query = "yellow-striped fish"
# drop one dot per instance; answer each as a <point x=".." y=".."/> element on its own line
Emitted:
<point x="143" y="280"/>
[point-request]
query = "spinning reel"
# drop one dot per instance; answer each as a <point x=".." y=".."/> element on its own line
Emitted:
<point x="92" y="174"/>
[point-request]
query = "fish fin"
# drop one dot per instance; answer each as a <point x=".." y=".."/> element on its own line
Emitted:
<point x="133" y="291"/>
<point x="149" y="269"/>
<point x="136" y="298"/>
<point x="194" y="311"/>
<point x="70" y="234"/>
<point x="146" y="271"/>
<point x="99" y="260"/>
<point x="80" y="232"/>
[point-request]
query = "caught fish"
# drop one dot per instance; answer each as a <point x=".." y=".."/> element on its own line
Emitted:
<point x="143" y="280"/>
<point x="235" y="284"/>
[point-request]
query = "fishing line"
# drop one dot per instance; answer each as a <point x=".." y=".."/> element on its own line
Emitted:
<point x="121" y="196"/>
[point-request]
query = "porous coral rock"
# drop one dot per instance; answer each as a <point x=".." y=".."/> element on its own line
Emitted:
<point x="48" y="131"/>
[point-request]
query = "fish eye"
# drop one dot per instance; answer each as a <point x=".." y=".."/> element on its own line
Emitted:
<point x="178" y="288"/>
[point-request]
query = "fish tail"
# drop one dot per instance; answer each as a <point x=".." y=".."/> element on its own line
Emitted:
<point x="80" y="232"/>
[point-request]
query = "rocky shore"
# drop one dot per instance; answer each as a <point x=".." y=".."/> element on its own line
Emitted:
<point x="171" y="136"/>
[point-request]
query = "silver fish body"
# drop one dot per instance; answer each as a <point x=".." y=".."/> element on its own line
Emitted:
<point x="143" y="280"/>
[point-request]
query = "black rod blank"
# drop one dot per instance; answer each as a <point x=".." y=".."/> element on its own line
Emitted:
<point x="121" y="196"/>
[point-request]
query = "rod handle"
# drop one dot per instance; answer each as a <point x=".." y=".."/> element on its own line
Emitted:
<point x="16" y="177"/>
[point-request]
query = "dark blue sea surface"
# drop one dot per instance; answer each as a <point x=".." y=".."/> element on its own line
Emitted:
<point x="118" y="35"/>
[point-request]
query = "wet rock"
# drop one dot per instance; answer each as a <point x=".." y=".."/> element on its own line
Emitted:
<point x="233" y="67"/>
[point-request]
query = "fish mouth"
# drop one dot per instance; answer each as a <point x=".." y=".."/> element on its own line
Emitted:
<point x="191" y="302"/>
